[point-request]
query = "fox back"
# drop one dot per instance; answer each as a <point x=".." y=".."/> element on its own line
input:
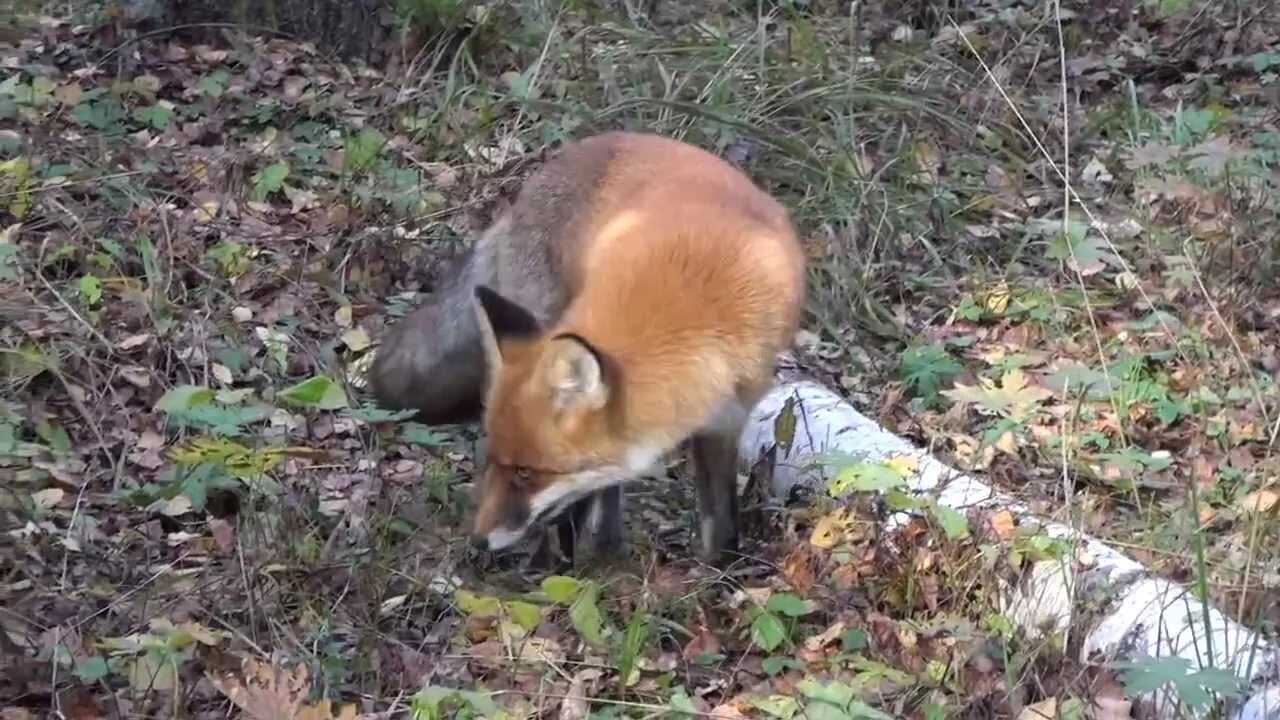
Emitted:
<point x="678" y="282"/>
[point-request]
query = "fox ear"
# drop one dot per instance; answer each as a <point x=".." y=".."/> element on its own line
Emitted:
<point x="575" y="374"/>
<point x="499" y="319"/>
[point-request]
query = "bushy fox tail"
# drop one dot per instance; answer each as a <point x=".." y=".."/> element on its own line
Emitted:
<point x="431" y="360"/>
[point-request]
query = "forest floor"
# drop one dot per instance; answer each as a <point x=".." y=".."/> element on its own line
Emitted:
<point x="201" y="240"/>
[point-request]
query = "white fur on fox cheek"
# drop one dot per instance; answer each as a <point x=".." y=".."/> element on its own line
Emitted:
<point x="574" y="488"/>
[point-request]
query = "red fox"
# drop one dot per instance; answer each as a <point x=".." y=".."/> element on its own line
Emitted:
<point x="634" y="297"/>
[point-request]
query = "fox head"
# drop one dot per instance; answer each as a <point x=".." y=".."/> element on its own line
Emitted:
<point x="551" y="416"/>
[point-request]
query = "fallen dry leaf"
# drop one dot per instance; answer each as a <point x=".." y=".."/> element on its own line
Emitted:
<point x="176" y="505"/>
<point x="224" y="534"/>
<point x="356" y="339"/>
<point x="702" y="642"/>
<point x="825" y="638"/>
<point x="799" y="568"/>
<point x="576" y="703"/>
<point x="1015" y="396"/>
<point x="342" y="316"/>
<point x="727" y="711"/>
<point x="47" y="498"/>
<point x="134" y="341"/>
<point x="206" y="208"/>
<point x="904" y="464"/>
<point x="265" y="692"/>
<point x="1259" y="501"/>
<point x="1007" y="443"/>
<point x="221" y="373"/>
<point x="1046" y="709"/>
<point x="1003" y="524"/>
<point x="830" y="529"/>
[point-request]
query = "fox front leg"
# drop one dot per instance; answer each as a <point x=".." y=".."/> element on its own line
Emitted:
<point x="599" y="516"/>
<point x="715" y="459"/>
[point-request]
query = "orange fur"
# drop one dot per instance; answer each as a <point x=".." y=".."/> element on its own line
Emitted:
<point x="684" y="281"/>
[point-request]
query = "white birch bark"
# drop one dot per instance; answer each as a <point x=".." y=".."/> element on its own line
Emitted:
<point x="1142" y="616"/>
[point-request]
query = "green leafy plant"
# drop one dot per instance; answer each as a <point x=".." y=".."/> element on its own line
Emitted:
<point x="318" y="392"/>
<point x="90" y="288"/>
<point x="768" y="628"/>
<point x="152" y="660"/>
<point x="1198" y="689"/>
<point x="584" y="610"/>
<point x="925" y="368"/>
<point x="270" y="179"/>
<point x="890" y="477"/>
<point x="214" y="84"/>
<point x="223" y="413"/>
<point x="361" y="150"/>
<point x="432" y="702"/>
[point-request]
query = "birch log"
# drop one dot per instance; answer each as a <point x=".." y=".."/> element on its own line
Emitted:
<point x="1141" y="617"/>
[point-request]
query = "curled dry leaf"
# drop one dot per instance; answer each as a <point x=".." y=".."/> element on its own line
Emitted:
<point x="134" y="341"/>
<point x="820" y="641"/>
<point x="703" y="642"/>
<point x="576" y="705"/>
<point x="800" y="568"/>
<point x="222" y="373"/>
<point x="1046" y="709"/>
<point x="136" y="376"/>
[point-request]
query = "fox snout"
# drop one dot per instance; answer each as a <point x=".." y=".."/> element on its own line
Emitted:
<point x="502" y="519"/>
<point x="498" y="538"/>
<point x="504" y="516"/>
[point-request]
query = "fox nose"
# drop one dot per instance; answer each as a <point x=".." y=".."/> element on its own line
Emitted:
<point x="480" y="542"/>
